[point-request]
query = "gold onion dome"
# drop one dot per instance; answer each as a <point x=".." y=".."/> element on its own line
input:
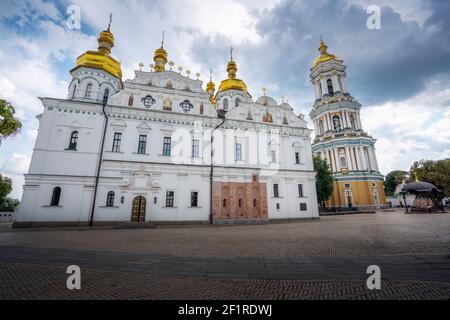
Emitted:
<point x="324" y="55"/>
<point x="232" y="83"/>
<point x="102" y="59"/>
<point x="161" y="58"/>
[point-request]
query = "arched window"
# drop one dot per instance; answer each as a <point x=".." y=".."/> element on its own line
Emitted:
<point x="240" y="203"/>
<point x="148" y="101"/>
<point x="237" y="102"/>
<point x="88" y="93"/>
<point x="285" y="121"/>
<point x="321" y="127"/>
<point x="224" y="203"/>
<point x="131" y="100"/>
<point x="249" y="116"/>
<point x="74" y="91"/>
<point x="202" y="108"/>
<point x="56" y="196"/>
<point x="225" y="104"/>
<point x="73" y="141"/>
<point x="352" y="121"/>
<point x="105" y="96"/>
<point x="330" y="87"/>
<point x="186" y="106"/>
<point x="336" y="123"/>
<point x="110" y="199"/>
<point x="255" y="203"/>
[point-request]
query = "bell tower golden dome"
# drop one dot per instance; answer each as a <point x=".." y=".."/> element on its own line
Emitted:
<point x="102" y="59"/>
<point x="324" y="55"/>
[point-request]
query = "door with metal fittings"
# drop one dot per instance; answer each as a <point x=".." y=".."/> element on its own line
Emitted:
<point x="138" y="209"/>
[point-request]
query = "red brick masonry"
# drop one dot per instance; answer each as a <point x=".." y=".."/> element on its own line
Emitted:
<point x="240" y="200"/>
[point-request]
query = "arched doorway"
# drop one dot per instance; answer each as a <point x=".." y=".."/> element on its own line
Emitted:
<point x="138" y="209"/>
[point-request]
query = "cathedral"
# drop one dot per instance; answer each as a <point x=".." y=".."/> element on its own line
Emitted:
<point x="341" y="140"/>
<point x="163" y="148"/>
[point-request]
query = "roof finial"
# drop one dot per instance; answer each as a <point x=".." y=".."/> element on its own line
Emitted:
<point x="163" y="36"/>
<point x="110" y="21"/>
<point x="210" y="75"/>
<point x="231" y="53"/>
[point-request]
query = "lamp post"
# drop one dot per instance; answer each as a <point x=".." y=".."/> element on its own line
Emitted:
<point x="221" y="115"/>
<point x="403" y="193"/>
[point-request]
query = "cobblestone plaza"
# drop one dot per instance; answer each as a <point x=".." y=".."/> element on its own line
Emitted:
<point x="319" y="259"/>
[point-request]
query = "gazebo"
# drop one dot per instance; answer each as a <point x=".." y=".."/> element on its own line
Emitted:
<point x="428" y="197"/>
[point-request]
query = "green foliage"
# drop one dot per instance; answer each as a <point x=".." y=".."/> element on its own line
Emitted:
<point x="9" y="205"/>
<point x="5" y="187"/>
<point x="392" y="180"/>
<point x="10" y="126"/>
<point x="324" y="181"/>
<point x="435" y="172"/>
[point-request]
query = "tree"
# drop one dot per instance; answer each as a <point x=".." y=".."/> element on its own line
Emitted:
<point x="392" y="180"/>
<point x="10" y="126"/>
<point x="324" y="181"/>
<point x="5" y="187"/>
<point x="435" y="172"/>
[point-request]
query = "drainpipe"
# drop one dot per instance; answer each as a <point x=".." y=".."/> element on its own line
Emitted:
<point x="99" y="165"/>
<point x="221" y="115"/>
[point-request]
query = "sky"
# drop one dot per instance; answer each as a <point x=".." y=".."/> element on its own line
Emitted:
<point x="400" y="72"/>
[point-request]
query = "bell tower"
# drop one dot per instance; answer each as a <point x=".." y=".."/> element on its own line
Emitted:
<point x="340" y="138"/>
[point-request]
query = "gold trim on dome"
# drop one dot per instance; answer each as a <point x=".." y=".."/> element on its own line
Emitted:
<point x="324" y="55"/>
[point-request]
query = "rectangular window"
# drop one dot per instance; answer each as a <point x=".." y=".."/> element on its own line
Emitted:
<point x="297" y="158"/>
<point x="169" y="199"/>
<point x="167" y="146"/>
<point x="238" y="152"/>
<point x="300" y="191"/>
<point x="276" y="193"/>
<point x="278" y="206"/>
<point x="142" y="146"/>
<point x="274" y="156"/>
<point x="303" y="207"/>
<point x="116" y="142"/>
<point x="195" y="148"/>
<point x="194" y="199"/>
<point x="343" y="162"/>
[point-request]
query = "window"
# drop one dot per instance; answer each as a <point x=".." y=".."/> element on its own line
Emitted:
<point x="237" y="102"/>
<point x="169" y="199"/>
<point x="202" y="108"/>
<point x="297" y="158"/>
<point x="303" y="207"/>
<point x="352" y="121"/>
<point x="343" y="162"/>
<point x="73" y="141"/>
<point x="110" y="199"/>
<point x="238" y="152"/>
<point x="330" y="87"/>
<point x="276" y="193"/>
<point x="116" y="142"/>
<point x="74" y="91"/>
<point x="148" y="101"/>
<point x="167" y="146"/>
<point x="194" y="199"/>
<point x="105" y="96"/>
<point x="321" y="131"/>
<point x="240" y="203"/>
<point x="336" y="123"/>
<point x="278" y="206"/>
<point x="285" y="121"/>
<point x="56" y="196"/>
<point x="225" y="104"/>
<point x="186" y="106"/>
<point x="224" y="203"/>
<point x="300" y="191"/>
<point x="195" y="148"/>
<point x="249" y="116"/>
<point x="273" y="155"/>
<point x="320" y="88"/>
<point x="142" y="145"/>
<point x="255" y="203"/>
<point x="131" y="100"/>
<point x="88" y="93"/>
<point x="169" y="85"/>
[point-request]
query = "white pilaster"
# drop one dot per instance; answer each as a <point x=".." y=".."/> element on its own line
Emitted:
<point x="349" y="159"/>
<point x="336" y="157"/>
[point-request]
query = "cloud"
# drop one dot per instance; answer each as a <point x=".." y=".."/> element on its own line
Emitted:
<point x="17" y="164"/>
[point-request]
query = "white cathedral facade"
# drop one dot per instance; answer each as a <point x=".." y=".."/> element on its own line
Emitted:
<point x="139" y="150"/>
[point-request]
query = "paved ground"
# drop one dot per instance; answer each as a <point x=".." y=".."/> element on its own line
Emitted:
<point x="324" y="259"/>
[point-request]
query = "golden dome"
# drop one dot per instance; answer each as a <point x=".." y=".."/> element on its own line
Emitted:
<point x="232" y="83"/>
<point x="161" y="57"/>
<point x="324" y="55"/>
<point x="101" y="59"/>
